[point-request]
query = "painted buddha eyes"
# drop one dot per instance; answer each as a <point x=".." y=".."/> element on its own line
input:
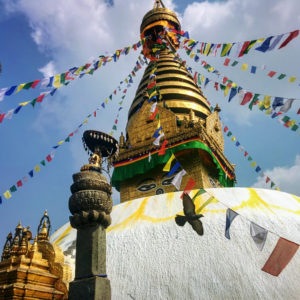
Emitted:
<point x="146" y="187"/>
<point x="167" y="181"/>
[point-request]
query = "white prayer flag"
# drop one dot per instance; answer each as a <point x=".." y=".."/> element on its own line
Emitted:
<point x="157" y="140"/>
<point x="287" y="105"/>
<point x="259" y="235"/>
<point x="2" y="92"/>
<point x="177" y="179"/>
<point x="9" y="114"/>
<point x="153" y="107"/>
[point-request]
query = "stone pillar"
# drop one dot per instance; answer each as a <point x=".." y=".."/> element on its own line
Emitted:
<point x="90" y="205"/>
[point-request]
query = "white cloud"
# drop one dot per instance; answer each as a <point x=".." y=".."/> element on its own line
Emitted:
<point x="48" y="70"/>
<point x="287" y="178"/>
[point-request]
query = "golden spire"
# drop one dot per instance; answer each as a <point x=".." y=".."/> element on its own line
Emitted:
<point x="44" y="227"/>
<point x="158" y="3"/>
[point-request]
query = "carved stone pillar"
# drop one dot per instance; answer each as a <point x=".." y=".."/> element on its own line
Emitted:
<point x="90" y="205"/>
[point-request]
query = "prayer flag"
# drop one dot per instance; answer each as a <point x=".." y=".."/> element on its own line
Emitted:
<point x="230" y="215"/>
<point x="275" y="42"/>
<point x="253" y="69"/>
<point x="233" y="92"/>
<point x="226" y="49"/>
<point x="280" y="257"/>
<point x="295" y="127"/>
<point x="227" y="88"/>
<point x="49" y="158"/>
<point x="267" y="179"/>
<point x="174" y="169"/>
<point x="225" y="129"/>
<point x="272" y="184"/>
<point x="43" y="163"/>
<point x="244" y="47"/>
<point x="250" y="158"/>
<point x="254" y="101"/>
<point x="189" y="186"/>
<point x="271" y="74"/>
<point x="40" y="97"/>
<point x="10" y="90"/>
<point x="265" y="45"/>
<point x="35" y="83"/>
<point x="248" y="96"/>
<point x="0" y="200"/>
<point x="259" y="235"/>
<point x="149" y="157"/>
<point x="226" y="62"/>
<point x="237" y="143"/>
<point x="7" y="194"/>
<point x="178" y="178"/>
<point x="2" y="93"/>
<point x="234" y="63"/>
<point x="258" y="169"/>
<point x="162" y="150"/>
<point x="37" y="168"/>
<point x="216" y="86"/>
<point x="244" y="67"/>
<point x="157" y="140"/>
<point x="292" y="79"/>
<point x="291" y="36"/>
<point x="19" y="183"/>
<point x="13" y="189"/>
<point x="20" y="87"/>
<point x="233" y="139"/>
<point x="30" y="173"/>
<point x="281" y="76"/>
<point x="278" y="101"/>
<point x="229" y="133"/>
<point x="267" y="101"/>
<point x="168" y="164"/>
<point x="206" y="82"/>
<point x="287" y="105"/>
<point x="253" y="164"/>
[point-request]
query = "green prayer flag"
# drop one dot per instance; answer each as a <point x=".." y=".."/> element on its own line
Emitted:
<point x="286" y="119"/>
<point x="28" y="85"/>
<point x="114" y="127"/>
<point x="281" y="76"/>
<point x="91" y="71"/>
<point x="254" y="100"/>
<point x="229" y="133"/>
<point x="188" y="52"/>
<point x="67" y="139"/>
<point x="234" y="63"/>
<point x="110" y="97"/>
<point x="123" y="97"/>
<point x="250" y="158"/>
<point x="157" y="116"/>
<point x="272" y="184"/>
<point x="295" y="127"/>
<point x="43" y="163"/>
<point x="33" y="102"/>
<point x="252" y="43"/>
<point x="207" y="66"/>
<point x="200" y="192"/>
<point x="63" y="77"/>
<point x="13" y="189"/>
<point x="222" y="86"/>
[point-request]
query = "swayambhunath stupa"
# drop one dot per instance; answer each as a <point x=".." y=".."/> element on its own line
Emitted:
<point x="181" y="229"/>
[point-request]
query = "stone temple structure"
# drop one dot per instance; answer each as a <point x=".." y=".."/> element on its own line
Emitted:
<point x="148" y="256"/>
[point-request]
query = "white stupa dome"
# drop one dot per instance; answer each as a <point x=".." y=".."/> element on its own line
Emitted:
<point x="150" y="257"/>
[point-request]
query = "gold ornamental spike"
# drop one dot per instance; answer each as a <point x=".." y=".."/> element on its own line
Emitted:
<point x="157" y="4"/>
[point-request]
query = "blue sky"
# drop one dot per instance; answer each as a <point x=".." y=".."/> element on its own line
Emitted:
<point x="60" y="35"/>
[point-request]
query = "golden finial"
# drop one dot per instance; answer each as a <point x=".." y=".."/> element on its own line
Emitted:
<point x="19" y="226"/>
<point x="43" y="234"/>
<point x="23" y="248"/>
<point x="15" y="246"/>
<point x="158" y="3"/>
<point x="217" y="108"/>
<point x="44" y="227"/>
<point x="192" y="115"/>
<point x="34" y="246"/>
<point x="122" y="140"/>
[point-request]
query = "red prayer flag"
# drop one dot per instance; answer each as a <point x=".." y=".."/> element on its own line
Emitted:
<point x="125" y="91"/>
<point x="95" y="114"/>
<point x="49" y="158"/>
<point x="115" y="92"/>
<point x="35" y="83"/>
<point x="189" y="186"/>
<point x="71" y="134"/>
<point x="245" y="46"/>
<point x="68" y="77"/>
<point x="154" y="114"/>
<point x="1" y="117"/>
<point x="151" y="85"/>
<point x="226" y="62"/>
<point x="195" y="77"/>
<point x="246" y="153"/>
<point x="162" y="150"/>
<point x="248" y="96"/>
<point x="116" y="121"/>
<point x="216" y="86"/>
<point x="280" y="257"/>
<point x="298" y="112"/>
<point x="290" y="37"/>
<point x="40" y="97"/>
<point x="225" y="129"/>
<point x="225" y="80"/>
<point x="271" y="74"/>
<point x="19" y="183"/>
<point x="267" y="179"/>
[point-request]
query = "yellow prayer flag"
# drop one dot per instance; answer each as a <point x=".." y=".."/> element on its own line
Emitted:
<point x="153" y="94"/>
<point x="106" y="101"/>
<point x="167" y="167"/>
<point x="244" y="67"/>
<point x="24" y="103"/>
<point x="202" y="78"/>
<point x="79" y="70"/>
<point x="226" y="49"/>
<point x="253" y="164"/>
<point x="37" y="168"/>
<point x="110" y="59"/>
<point x="117" y="52"/>
<point x="267" y="101"/>
<point x="233" y="139"/>
<point x="268" y="112"/>
<point x="158" y="124"/>
<point x="212" y="199"/>
<point x="153" y="70"/>
<point x="57" y="81"/>
<point x="206" y="49"/>
<point x="192" y="55"/>
<point x="210" y="69"/>
<point x="191" y="42"/>
<point x="59" y="143"/>
<point x="292" y="79"/>
<point x="126" y="80"/>
<point x="99" y="64"/>
<point x="20" y="87"/>
<point x="111" y="133"/>
<point x="277" y="188"/>
<point x="7" y="194"/>
<point x="227" y="88"/>
<point x="292" y="123"/>
<point x="234" y="85"/>
<point x="85" y="121"/>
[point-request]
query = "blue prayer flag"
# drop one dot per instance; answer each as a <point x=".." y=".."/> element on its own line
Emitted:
<point x="103" y="105"/>
<point x="230" y="215"/>
<point x="18" y="109"/>
<point x="233" y="92"/>
<point x="53" y="92"/>
<point x="50" y="81"/>
<point x="157" y="132"/>
<point x="174" y="169"/>
<point x="278" y="101"/>
<point x="30" y="173"/>
<point x="258" y="169"/>
<point x="253" y="69"/>
<point x="10" y="91"/>
<point x="265" y="45"/>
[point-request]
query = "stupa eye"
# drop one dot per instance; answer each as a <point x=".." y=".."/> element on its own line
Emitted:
<point x="167" y="181"/>
<point x="146" y="187"/>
